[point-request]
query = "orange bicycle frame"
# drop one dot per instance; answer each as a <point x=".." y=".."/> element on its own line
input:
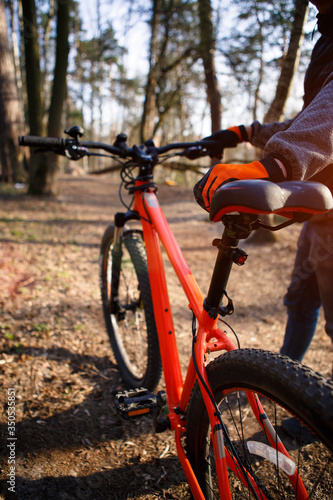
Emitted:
<point x="209" y="338"/>
<point x="156" y="230"/>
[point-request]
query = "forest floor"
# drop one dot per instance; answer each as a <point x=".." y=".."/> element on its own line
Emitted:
<point x="54" y="350"/>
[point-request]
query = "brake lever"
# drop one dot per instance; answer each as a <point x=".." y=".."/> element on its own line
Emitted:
<point x="75" y="152"/>
<point x="71" y="151"/>
<point x="194" y="152"/>
<point x="208" y="144"/>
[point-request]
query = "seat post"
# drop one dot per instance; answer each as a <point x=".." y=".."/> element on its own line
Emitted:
<point x="221" y="273"/>
<point x="236" y="227"/>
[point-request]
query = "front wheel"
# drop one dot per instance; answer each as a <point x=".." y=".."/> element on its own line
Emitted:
<point x="298" y="404"/>
<point x="128" y="309"/>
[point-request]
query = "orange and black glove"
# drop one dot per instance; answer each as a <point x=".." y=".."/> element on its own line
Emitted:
<point x="220" y="174"/>
<point x="222" y="139"/>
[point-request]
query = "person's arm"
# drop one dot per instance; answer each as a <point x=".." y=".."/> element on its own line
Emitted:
<point x="299" y="150"/>
<point x="259" y="134"/>
<point x="306" y="147"/>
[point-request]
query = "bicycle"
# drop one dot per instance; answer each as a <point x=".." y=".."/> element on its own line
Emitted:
<point x="232" y="416"/>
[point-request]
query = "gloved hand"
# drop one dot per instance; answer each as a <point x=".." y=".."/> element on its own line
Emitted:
<point x="218" y="175"/>
<point x="228" y="138"/>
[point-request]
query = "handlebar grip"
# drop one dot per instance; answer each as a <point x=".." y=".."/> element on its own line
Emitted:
<point x="36" y="141"/>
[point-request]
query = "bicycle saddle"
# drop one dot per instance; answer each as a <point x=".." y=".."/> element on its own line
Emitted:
<point x="297" y="200"/>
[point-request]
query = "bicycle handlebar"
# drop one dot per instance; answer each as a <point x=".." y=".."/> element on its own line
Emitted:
<point x="63" y="144"/>
<point x="75" y="149"/>
<point x="36" y="141"/>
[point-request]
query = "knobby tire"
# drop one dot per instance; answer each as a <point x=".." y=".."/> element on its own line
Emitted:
<point x="132" y="330"/>
<point x="286" y="390"/>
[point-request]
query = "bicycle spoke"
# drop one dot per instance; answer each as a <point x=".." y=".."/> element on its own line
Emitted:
<point x="280" y="461"/>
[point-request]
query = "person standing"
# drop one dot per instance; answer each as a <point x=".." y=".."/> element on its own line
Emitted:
<point x="297" y="149"/>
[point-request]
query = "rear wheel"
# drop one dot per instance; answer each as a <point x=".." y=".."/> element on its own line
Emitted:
<point x="298" y="404"/>
<point x="128" y="309"/>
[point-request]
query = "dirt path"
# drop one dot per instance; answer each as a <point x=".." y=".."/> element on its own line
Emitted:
<point x="55" y="352"/>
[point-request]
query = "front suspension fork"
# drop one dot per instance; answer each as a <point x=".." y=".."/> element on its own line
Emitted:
<point x="120" y="220"/>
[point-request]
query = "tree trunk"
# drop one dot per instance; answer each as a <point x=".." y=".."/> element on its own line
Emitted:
<point x="290" y="63"/>
<point x="44" y="167"/>
<point x="33" y="72"/>
<point x="59" y="89"/>
<point x="38" y="164"/>
<point x="11" y="126"/>
<point x="207" y="49"/>
<point x="147" y="122"/>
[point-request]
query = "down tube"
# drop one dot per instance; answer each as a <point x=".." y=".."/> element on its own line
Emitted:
<point x="174" y="253"/>
<point x="162" y="311"/>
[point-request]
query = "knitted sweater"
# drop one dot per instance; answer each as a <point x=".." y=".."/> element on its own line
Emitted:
<point x="305" y="144"/>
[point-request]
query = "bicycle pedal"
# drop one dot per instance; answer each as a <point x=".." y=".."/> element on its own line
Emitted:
<point x="136" y="402"/>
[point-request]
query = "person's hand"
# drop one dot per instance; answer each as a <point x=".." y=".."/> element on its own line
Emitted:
<point x="222" y="139"/>
<point x="268" y="169"/>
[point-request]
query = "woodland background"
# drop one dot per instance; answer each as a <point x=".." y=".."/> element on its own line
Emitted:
<point x="163" y="69"/>
<point x="167" y="69"/>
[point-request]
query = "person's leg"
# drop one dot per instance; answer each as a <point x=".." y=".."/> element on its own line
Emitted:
<point x="302" y="300"/>
<point x="325" y="283"/>
<point x="322" y="257"/>
<point x="311" y="285"/>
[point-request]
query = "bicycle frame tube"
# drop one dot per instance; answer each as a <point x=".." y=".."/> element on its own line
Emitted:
<point x="161" y="304"/>
<point x="174" y="253"/>
<point x="217" y="433"/>
<point x="159" y="230"/>
<point x="156" y="228"/>
<point x="209" y="338"/>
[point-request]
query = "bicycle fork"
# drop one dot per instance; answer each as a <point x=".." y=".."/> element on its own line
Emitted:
<point x="120" y="220"/>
